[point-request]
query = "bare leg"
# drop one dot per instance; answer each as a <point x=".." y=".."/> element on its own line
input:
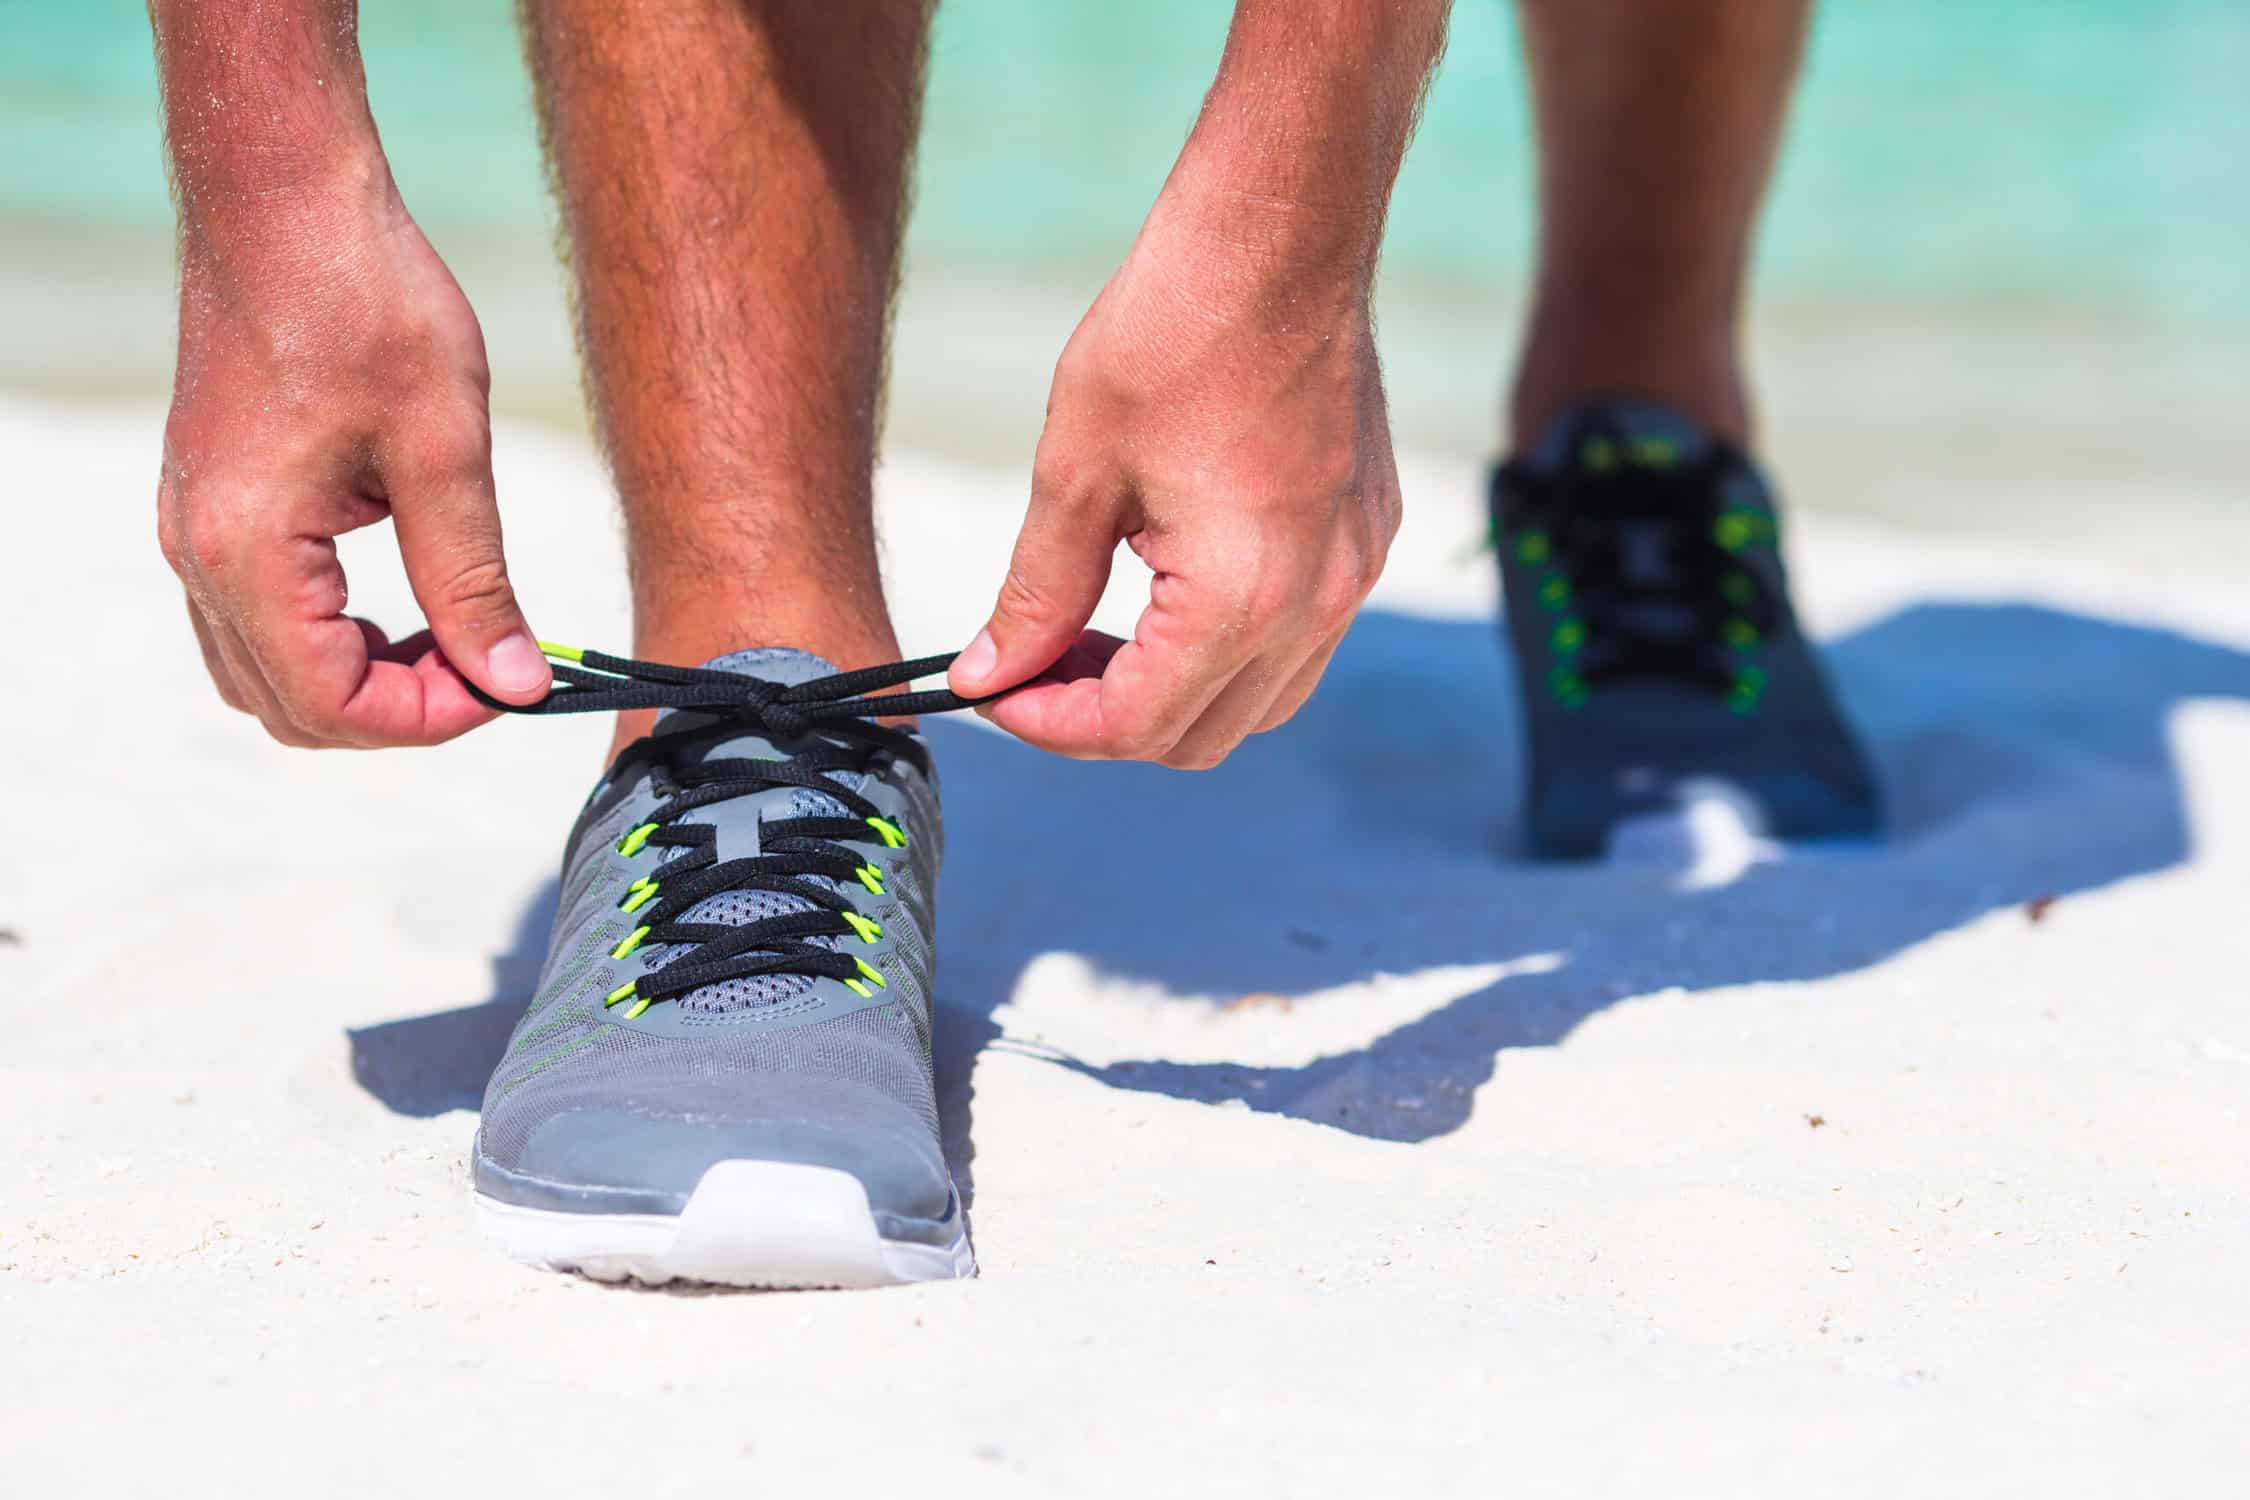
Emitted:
<point x="733" y="180"/>
<point x="1658" y="121"/>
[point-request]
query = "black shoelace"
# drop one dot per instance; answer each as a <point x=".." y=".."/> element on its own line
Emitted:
<point x="828" y="728"/>
<point x="1640" y="565"/>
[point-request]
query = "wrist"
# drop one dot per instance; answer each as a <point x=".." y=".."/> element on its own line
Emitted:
<point x="1288" y="172"/>
<point x="258" y="216"/>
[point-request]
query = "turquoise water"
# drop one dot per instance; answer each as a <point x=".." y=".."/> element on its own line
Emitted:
<point x="2081" y="154"/>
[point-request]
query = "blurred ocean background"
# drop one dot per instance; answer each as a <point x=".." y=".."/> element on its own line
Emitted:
<point x="2005" y="275"/>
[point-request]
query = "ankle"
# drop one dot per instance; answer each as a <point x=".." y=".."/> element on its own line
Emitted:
<point x="1696" y="374"/>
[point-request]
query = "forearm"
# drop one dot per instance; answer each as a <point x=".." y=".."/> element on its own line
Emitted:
<point x="1292" y="159"/>
<point x="265" y="112"/>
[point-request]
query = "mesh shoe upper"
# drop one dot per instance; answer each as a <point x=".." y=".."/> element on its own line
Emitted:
<point x="592" y="1108"/>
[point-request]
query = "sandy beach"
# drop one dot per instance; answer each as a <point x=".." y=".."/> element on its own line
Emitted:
<point x="1713" y="1169"/>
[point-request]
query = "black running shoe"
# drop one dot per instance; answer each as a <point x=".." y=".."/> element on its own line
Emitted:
<point x="1647" y="606"/>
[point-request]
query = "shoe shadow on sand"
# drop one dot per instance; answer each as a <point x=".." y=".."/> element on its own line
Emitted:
<point x="2022" y="749"/>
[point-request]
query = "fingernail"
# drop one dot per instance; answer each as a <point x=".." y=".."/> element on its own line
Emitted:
<point x="977" y="662"/>
<point x="517" y="666"/>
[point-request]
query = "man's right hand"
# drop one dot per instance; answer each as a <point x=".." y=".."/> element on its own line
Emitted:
<point x="330" y="374"/>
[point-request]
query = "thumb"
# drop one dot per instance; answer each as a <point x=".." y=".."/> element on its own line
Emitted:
<point x="448" y="525"/>
<point x="1055" y="578"/>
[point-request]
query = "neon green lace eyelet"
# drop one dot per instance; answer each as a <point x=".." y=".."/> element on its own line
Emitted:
<point x="1533" y="547"/>
<point x="632" y="941"/>
<point x="638" y="894"/>
<point x="870" y="877"/>
<point x="625" y="992"/>
<point x="867" y="928"/>
<point x="1749" y="688"/>
<point x="1568" y="636"/>
<point x="868" y="974"/>
<point x="1569" y="689"/>
<point x="630" y="845"/>
<point x="893" y="836"/>
<point x="871" y="974"/>
<point x="1655" y="452"/>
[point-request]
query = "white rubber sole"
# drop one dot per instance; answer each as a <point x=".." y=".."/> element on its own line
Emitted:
<point x="748" y="1223"/>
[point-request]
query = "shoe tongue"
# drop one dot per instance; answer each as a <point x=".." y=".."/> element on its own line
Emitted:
<point x="1603" y="436"/>
<point x="774" y="663"/>
<point x="783" y="664"/>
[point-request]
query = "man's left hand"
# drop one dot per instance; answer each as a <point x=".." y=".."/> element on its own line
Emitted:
<point x="1229" y="427"/>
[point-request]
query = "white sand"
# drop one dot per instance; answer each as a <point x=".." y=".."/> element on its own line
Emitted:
<point x="1502" y="1181"/>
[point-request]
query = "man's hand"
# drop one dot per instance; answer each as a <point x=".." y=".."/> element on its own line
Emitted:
<point x="330" y="374"/>
<point x="1236" y="439"/>
<point x="1221" y="411"/>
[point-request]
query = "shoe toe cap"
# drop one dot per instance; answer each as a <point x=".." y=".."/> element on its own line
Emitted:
<point x="647" y="1154"/>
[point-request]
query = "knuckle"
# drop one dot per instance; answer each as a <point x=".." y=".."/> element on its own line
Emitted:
<point x="203" y="539"/>
<point x="455" y="452"/>
<point x="479" y="590"/>
<point x="1271" y="594"/>
<point x="1337" y="600"/>
<point x="285" y="732"/>
<point x="1202" y="758"/>
<point x="309" y="723"/>
<point x="169" y="540"/>
<point x="1281" y="713"/>
<point x="1024" y="599"/>
<point x="1139" y="742"/>
<point x="1059" y="480"/>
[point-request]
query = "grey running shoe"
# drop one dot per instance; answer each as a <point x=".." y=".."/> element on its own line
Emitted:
<point x="724" y="1075"/>
<point x="1648" y="611"/>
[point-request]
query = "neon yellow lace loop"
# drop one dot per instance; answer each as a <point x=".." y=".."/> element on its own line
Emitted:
<point x="632" y="941"/>
<point x="870" y="877"/>
<point x="867" y="929"/>
<point x="639" y="894"/>
<point x="894" y="837"/>
<point x="625" y="992"/>
<point x="630" y="845"/>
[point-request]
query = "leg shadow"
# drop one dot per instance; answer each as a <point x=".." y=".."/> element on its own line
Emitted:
<point x="428" y="1065"/>
<point x="2023" y="751"/>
